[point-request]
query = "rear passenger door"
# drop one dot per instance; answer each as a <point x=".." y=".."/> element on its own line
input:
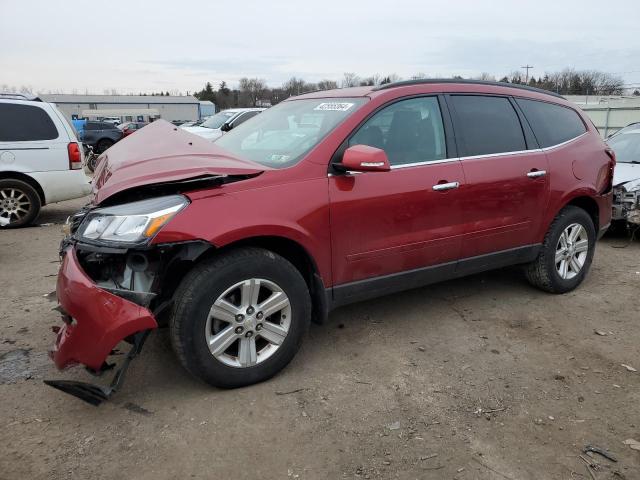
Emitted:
<point x="506" y="173"/>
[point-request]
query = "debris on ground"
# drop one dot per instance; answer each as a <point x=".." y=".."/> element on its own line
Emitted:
<point x="633" y="444"/>
<point x="628" y="367"/>
<point x="600" y="332"/>
<point x="394" y="426"/>
<point x="599" y="451"/>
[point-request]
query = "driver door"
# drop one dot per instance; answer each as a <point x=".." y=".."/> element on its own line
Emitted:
<point x="394" y="229"/>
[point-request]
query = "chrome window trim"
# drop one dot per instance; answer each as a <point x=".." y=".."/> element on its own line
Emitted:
<point x="426" y="162"/>
<point x="565" y="142"/>
<point x="474" y="157"/>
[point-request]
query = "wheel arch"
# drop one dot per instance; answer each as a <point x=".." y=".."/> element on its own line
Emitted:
<point x="299" y="257"/>
<point x="10" y="175"/>
<point x="589" y="205"/>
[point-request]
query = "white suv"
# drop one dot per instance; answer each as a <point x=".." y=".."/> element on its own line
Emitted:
<point x="40" y="159"/>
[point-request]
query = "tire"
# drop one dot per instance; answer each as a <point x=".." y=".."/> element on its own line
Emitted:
<point x="192" y="326"/>
<point x="103" y="144"/>
<point x="550" y="276"/>
<point x="92" y="163"/>
<point x="19" y="202"/>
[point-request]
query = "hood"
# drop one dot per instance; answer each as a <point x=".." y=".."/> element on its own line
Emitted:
<point x="626" y="172"/>
<point x="208" y="133"/>
<point x="161" y="153"/>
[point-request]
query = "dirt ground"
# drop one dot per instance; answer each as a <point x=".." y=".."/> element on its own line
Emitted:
<point x="479" y="378"/>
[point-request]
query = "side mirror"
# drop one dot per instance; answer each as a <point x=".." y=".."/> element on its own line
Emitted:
<point x="363" y="158"/>
<point x="226" y="127"/>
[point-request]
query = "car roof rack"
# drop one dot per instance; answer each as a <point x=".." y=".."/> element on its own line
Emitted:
<point x="19" y="96"/>
<point x="468" y="82"/>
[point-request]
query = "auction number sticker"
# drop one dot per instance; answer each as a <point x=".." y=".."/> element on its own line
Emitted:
<point x="334" y="106"/>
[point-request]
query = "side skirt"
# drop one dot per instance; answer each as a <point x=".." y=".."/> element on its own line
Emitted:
<point x="396" y="282"/>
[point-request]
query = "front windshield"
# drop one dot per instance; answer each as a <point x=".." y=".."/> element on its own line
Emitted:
<point x="626" y="144"/>
<point x="218" y="120"/>
<point x="280" y="136"/>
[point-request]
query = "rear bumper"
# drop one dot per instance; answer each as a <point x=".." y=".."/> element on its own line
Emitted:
<point x="61" y="185"/>
<point x="95" y="320"/>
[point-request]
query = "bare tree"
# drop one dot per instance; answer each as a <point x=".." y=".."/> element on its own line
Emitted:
<point x="253" y="89"/>
<point x="486" y="77"/>
<point x="350" y="79"/>
<point x="327" y="85"/>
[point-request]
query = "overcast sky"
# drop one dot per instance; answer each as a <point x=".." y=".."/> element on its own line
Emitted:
<point x="164" y="45"/>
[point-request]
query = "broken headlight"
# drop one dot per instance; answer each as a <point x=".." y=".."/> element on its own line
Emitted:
<point x="130" y="223"/>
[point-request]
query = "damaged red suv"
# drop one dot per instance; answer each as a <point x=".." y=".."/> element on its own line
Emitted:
<point x="325" y="199"/>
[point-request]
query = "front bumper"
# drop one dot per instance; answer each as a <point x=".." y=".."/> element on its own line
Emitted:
<point x="95" y="320"/>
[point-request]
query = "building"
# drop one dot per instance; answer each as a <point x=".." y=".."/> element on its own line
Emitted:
<point x="127" y="107"/>
<point x="207" y="108"/>
<point x="609" y="113"/>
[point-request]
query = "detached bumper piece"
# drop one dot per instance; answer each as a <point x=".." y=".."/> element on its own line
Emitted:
<point x="96" y="394"/>
<point x="95" y="321"/>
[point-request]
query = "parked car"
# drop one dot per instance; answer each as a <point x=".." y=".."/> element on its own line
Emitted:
<point x="130" y="127"/>
<point x="214" y="127"/>
<point x="40" y="159"/>
<point x="327" y="198"/>
<point x="114" y="120"/>
<point x="100" y="135"/>
<point x="626" y="177"/>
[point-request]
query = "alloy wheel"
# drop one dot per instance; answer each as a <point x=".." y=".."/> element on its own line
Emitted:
<point x="571" y="251"/>
<point x="248" y="323"/>
<point x="14" y="204"/>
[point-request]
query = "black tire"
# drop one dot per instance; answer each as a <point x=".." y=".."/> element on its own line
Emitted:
<point x="542" y="272"/>
<point x="92" y="163"/>
<point x="103" y="144"/>
<point x="14" y="188"/>
<point x="204" y="284"/>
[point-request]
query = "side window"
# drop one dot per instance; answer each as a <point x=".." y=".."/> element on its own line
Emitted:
<point x="552" y="124"/>
<point x="22" y="123"/>
<point x="409" y="131"/>
<point x="488" y="125"/>
<point x="244" y="117"/>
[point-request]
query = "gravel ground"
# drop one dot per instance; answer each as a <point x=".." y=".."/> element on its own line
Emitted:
<point x="479" y="378"/>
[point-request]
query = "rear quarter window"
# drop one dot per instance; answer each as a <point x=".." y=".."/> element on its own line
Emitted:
<point x="23" y="123"/>
<point x="552" y="124"/>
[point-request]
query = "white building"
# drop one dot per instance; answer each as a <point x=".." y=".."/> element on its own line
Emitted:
<point x="609" y="113"/>
<point x="127" y="107"/>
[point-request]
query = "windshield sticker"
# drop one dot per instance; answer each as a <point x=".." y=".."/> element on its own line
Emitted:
<point x="335" y="106"/>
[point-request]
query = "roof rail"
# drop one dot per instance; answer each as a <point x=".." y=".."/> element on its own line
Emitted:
<point x="19" y="96"/>
<point x="463" y="81"/>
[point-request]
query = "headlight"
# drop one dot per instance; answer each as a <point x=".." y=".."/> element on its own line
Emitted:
<point x="135" y="222"/>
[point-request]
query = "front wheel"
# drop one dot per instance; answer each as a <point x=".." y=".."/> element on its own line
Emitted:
<point x="566" y="253"/>
<point x="103" y="145"/>
<point x="239" y="318"/>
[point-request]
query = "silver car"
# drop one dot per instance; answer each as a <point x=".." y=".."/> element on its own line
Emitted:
<point x="626" y="178"/>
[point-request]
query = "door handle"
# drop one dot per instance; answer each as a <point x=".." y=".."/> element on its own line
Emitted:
<point x="441" y="187"/>
<point x="536" y="173"/>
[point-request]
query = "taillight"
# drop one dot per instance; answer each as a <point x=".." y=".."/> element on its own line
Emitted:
<point x="612" y="163"/>
<point x="75" y="159"/>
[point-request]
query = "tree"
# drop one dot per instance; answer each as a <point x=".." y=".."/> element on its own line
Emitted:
<point x="350" y="79"/>
<point x="252" y="89"/>
<point x="327" y="85"/>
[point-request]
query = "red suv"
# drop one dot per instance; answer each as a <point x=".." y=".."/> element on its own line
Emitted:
<point x="328" y="198"/>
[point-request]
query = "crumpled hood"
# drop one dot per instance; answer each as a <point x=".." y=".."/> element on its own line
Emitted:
<point x="208" y="133"/>
<point x="626" y="172"/>
<point x="163" y="153"/>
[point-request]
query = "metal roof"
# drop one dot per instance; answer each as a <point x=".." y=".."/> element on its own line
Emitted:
<point x="65" y="98"/>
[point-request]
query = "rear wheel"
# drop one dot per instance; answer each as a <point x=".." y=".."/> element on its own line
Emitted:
<point x="19" y="202"/>
<point x="240" y="318"/>
<point x="566" y="253"/>
<point x="103" y="144"/>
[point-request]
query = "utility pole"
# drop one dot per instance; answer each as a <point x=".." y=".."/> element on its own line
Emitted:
<point x="527" y="67"/>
